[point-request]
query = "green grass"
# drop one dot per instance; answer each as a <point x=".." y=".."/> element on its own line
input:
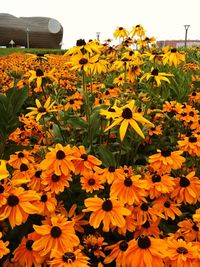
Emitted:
<point x="8" y="51"/>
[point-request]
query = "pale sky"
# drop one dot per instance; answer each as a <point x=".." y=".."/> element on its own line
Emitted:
<point x="81" y="19"/>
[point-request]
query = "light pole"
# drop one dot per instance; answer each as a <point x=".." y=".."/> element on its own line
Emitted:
<point x="98" y="34"/>
<point x="186" y="30"/>
<point x="27" y="37"/>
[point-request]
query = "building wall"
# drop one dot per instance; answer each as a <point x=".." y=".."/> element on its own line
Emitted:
<point x="33" y="31"/>
<point x="178" y="43"/>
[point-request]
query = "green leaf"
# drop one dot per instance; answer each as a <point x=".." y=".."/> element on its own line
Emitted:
<point x="106" y="156"/>
<point x="17" y="98"/>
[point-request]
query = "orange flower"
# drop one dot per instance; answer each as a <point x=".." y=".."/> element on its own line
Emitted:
<point x="55" y="183"/>
<point x="110" y="174"/>
<point x="24" y="254"/>
<point x="109" y="211"/>
<point x="130" y="190"/>
<point x="182" y="254"/>
<point x="159" y="184"/>
<point x="69" y="258"/>
<point x="91" y="181"/>
<point x="4" y="173"/>
<point x="167" y="207"/>
<point x="191" y="145"/>
<point x="187" y="189"/>
<point x="84" y="162"/>
<point x="3" y="248"/>
<point x="145" y="251"/>
<point x="23" y="175"/>
<point x="20" y="157"/>
<point x="196" y="217"/>
<point x="165" y="160"/>
<point x="117" y="253"/>
<point x="55" y="234"/>
<point x="19" y="205"/>
<point x="189" y="230"/>
<point x="93" y="244"/>
<point x="149" y="228"/>
<point x="47" y="203"/>
<point x="59" y="160"/>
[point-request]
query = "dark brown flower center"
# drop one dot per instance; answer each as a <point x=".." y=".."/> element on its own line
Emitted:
<point x="38" y="174"/>
<point x="144" y="242"/>
<point x="91" y="181"/>
<point x="173" y="50"/>
<point x="29" y="244"/>
<point x="56" y="231"/>
<point x="146" y="225"/>
<point x="123" y="245"/>
<point x="1" y="189"/>
<point x="144" y="207"/>
<point x="23" y="167"/>
<point x="84" y="156"/>
<point x="107" y="205"/>
<point x="111" y="169"/>
<point x="83" y="61"/>
<point x="44" y="198"/>
<point x="127" y="113"/>
<point x="71" y="101"/>
<point x="80" y="42"/>
<point x="12" y="200"/>
<point x="42" y="109"/>
<point x="39" y="73"/>
<point x="166" y="153"/>
<point x="192" y="139"/>
<point x="121" y="28"/>
<point x="182" y="250"/>
<point x="60" y="154"/>
<point x="68" y="257"/>
<point x="128" y="182"/>
<point x="184" y="182"/>
<point x="55" y="178"/>
<point x="154" y="72"/>
<point x="20" y="155"/>
<point x="167" y="204"/>
<point x="156" y="178"/>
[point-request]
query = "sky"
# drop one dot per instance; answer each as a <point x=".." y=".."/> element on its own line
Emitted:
<point x="82" y="19"/>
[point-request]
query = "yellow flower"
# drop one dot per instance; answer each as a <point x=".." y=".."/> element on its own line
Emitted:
<point x="173" y="57"/>
<point x="40" y="110"/>
<point x="156" y="76"/>
<point x="120" y="32"/>
<point x="3" y="170"/>
<point x="126" y="115"/>
<point x="39" y="75"/>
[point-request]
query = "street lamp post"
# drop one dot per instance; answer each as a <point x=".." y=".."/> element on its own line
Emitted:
<point x="186" y="30"/>
<point x="98" y="34"/>
<point x="27" y="37"/>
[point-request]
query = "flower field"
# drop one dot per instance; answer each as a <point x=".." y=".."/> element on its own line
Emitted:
<point x="99" y="155"/>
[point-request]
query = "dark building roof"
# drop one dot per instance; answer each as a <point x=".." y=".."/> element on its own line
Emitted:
<point x="35" y="32"/>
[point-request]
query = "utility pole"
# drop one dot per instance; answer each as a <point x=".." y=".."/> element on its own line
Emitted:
<point x="186" y="30"/>
<point x="98" y="34"/>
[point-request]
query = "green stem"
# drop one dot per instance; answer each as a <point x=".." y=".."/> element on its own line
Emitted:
<point x="83" y="80"/>
<point x="45" y="133"/>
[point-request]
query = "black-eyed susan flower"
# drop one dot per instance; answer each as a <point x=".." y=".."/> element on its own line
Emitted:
<point x="173" y="57"/>
<point x="120" y="32"/>
<point x="182" y="253"/>
<point x="4" y="250"/>
<point x="189" y="229"/>
<point x="129" y="190"/>
<point x="47" y="203"/>
<point x="187" y="189"/>
<point x="167" y="207"/>
<point x="91" y="181"/>
<point x="159" y="184"/>
<point x="40" y="109"/>
<point x="59" y="160"/>
<point x="24" y="255"/>
<point x="110" y="212"/>
<point x="138" y="31"/>
<point x="148" y="228"/>
<point x="117" y="253"/>
<point x="69" y="258"/>
<point x="196" y="217"/>
<point x="20" y="204"/>
<point x="94" y="245"/>
<point x="110" y="174"/>
<point x="4" y="173"/>
<point x="83" y="161"/>
<point x="190" y="144"/>
<point x="19" y="157"/>
<point x="156" y="77"/>
<point x="55" y="183"/>
<point x="166" y="160"/>
<point x="145" y="251"/>
<point x="39" y="75"/>
<point x="55" y="234"/>
<point x="126" y="116"/>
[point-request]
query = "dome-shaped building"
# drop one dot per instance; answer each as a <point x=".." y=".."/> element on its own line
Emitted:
<point x="31" y="32"/>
